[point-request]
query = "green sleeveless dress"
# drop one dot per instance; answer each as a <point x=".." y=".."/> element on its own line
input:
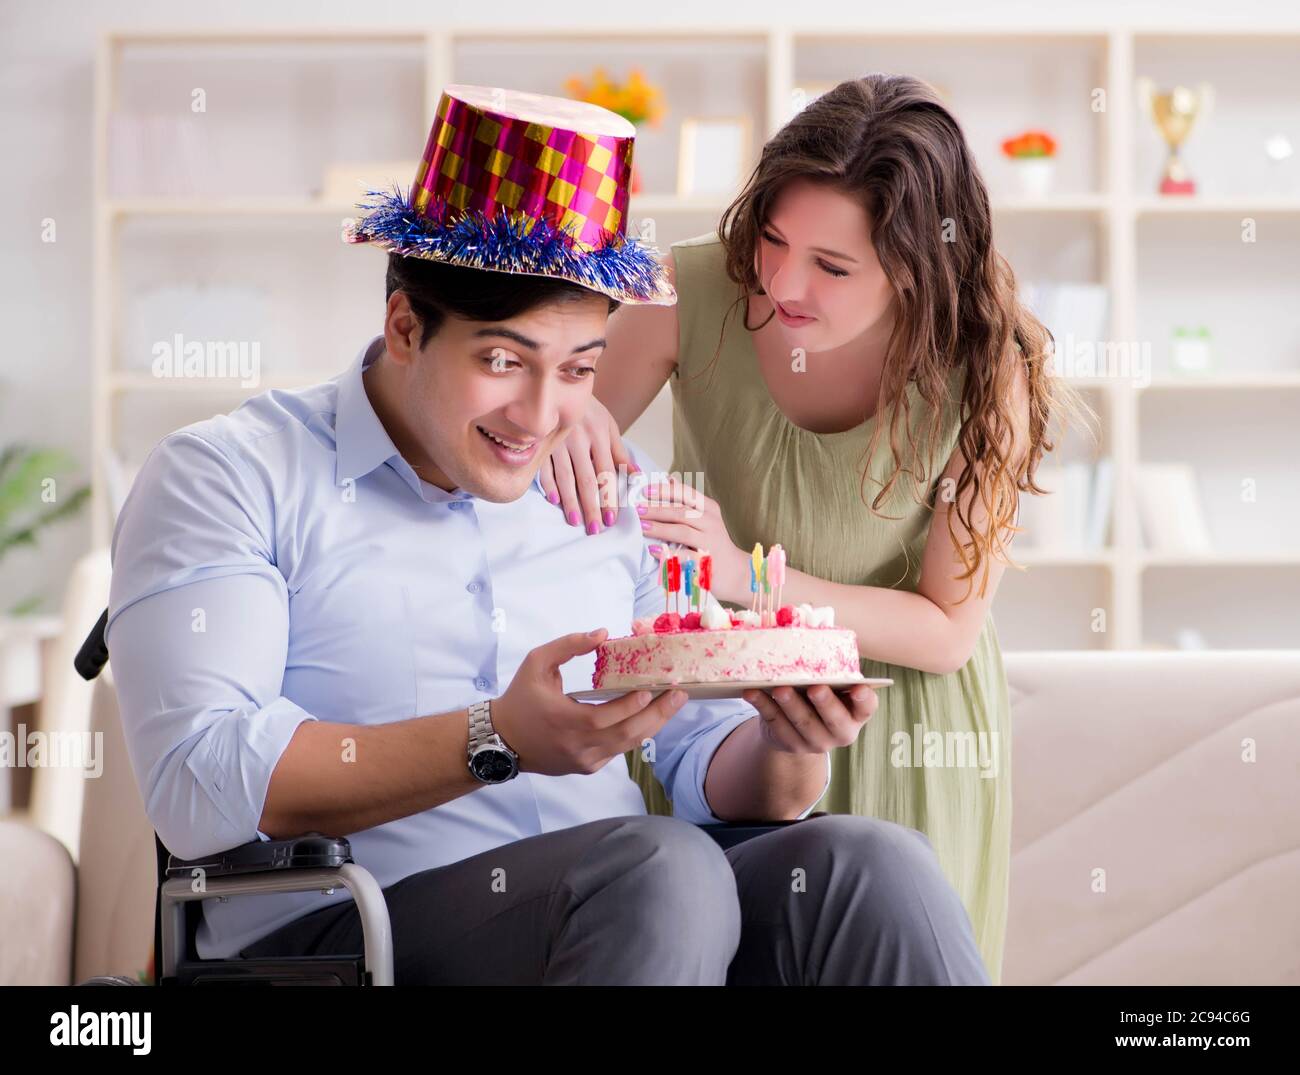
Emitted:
<point x="777" y="482"/>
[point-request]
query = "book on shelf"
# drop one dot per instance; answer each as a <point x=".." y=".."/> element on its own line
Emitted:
<point x="1076" y="314"/>
<point x="1169" y="508"/>
<point x="1101" y="498"/>
<point x="1074" y="517"/>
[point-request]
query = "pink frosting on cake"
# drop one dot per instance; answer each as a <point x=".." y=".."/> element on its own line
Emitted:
<point x="814" y="654"/>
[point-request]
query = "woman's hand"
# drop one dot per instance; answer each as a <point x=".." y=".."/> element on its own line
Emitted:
<point x="789" y="723"/>
<point x="681" y="515"/>
<point x="581" y="475"/>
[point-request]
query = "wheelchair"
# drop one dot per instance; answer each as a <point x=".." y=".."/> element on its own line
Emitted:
<point x="314" y="861"/>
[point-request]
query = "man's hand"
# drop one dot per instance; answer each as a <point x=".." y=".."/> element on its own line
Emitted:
<point x="811" y="720"/>
<point x="553" y="734"/>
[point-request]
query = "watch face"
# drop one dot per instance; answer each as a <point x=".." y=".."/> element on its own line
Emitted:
<point x="492" y="766"/>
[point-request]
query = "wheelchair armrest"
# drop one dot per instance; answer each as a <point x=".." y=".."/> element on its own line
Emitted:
<point x="259" y="867"/>
<point x="312" y="851"/>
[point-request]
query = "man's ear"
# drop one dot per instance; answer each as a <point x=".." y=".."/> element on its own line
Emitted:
<point x="401" y="329"/>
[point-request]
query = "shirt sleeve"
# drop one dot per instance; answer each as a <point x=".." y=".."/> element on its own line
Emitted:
<point x="198" y="634"/>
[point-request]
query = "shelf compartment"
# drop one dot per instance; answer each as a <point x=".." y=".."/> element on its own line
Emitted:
<point x="1228" y="439"/>
<point x="1026" y="621"/>
<point x="1256" y="82"/>
<point x="295" y="107"/>
<point x="1237" y="607"/>
<point x="998" y="84"/>
<point x="1196" y="270"/>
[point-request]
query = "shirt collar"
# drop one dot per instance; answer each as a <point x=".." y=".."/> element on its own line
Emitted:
<point x="361" y="443"/>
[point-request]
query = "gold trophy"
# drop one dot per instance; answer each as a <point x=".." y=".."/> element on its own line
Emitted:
<point x="1173" y="113"/>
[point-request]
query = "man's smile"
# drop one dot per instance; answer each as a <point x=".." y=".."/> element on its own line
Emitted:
<point x="507" y="449"/>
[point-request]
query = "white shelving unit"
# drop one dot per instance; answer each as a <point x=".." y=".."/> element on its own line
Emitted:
<point x="281" y="106"/>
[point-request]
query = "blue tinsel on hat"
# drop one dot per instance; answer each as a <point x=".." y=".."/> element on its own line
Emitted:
<point x="509" y="242"/>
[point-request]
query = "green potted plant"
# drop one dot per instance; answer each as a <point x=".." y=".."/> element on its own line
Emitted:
<point x="31" y="499"/>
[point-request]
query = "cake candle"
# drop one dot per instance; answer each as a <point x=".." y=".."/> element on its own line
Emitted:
<point x="777" y="574"/>
<point x="755" y="570"/>
<point x="766" y="599"/>
<point x="663" y="575"/>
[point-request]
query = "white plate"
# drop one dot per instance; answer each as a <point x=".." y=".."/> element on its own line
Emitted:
<point x="706" y="691"/>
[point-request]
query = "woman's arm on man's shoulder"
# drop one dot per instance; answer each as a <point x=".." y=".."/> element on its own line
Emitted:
<point x="639" y="358"/>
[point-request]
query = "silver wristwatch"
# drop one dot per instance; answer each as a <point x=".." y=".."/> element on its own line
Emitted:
<point x="490" y="760"/>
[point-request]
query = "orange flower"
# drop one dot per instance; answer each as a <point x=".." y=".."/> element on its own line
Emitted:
<point x="1030" y="144"/>
<point x="637" y="100"/>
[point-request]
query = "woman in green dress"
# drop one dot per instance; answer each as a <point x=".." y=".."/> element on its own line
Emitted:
<point x="853" y="378"/>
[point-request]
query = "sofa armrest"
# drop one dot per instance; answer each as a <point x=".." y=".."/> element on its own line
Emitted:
<point x="38" y="883"/>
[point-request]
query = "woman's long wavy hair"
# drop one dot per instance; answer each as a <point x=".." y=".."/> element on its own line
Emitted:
<point x="889" y="142"/>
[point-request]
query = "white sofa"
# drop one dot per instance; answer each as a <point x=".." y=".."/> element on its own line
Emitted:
<point x="1127" y="763"/>
<point x="1137" y="764"/>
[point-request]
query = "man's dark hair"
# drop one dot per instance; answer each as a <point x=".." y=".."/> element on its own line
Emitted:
<point x="435" y="290"/>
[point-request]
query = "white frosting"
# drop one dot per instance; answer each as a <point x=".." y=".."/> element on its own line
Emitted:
<point x="748" y="617"/>
<point x="715" y="618"/>
<point x="822" y="616"/>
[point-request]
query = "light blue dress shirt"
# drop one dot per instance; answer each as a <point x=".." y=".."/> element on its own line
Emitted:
<point x="284" y="563"/>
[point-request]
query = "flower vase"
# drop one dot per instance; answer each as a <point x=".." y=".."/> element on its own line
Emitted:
<point x="1035" y="175"/>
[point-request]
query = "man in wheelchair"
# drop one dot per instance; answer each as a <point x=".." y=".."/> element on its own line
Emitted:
<point x="350" y="609"/>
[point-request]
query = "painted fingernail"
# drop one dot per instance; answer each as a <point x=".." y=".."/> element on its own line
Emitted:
<point x="593" y="527"/>
<point x="608" y="516"/>
<point x="645" y="525"/>
<point x="554" y="498"/>
<point x="655" y="550"/>
<point x="573" y="518"/>
<point x="641" y="509"/>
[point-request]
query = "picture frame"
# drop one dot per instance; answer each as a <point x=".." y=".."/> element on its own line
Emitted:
<point x="713" y="155"/>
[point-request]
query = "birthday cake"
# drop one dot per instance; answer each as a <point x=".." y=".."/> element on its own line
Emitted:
<point x="766" y="643"/>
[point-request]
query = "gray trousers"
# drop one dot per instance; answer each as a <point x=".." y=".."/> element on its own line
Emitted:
<point x="836" y="899"/>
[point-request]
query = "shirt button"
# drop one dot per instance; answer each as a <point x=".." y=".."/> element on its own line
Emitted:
<point x="474" y="587"/>
<point x="480" y="684"/>
<point x="456" y="505"/>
